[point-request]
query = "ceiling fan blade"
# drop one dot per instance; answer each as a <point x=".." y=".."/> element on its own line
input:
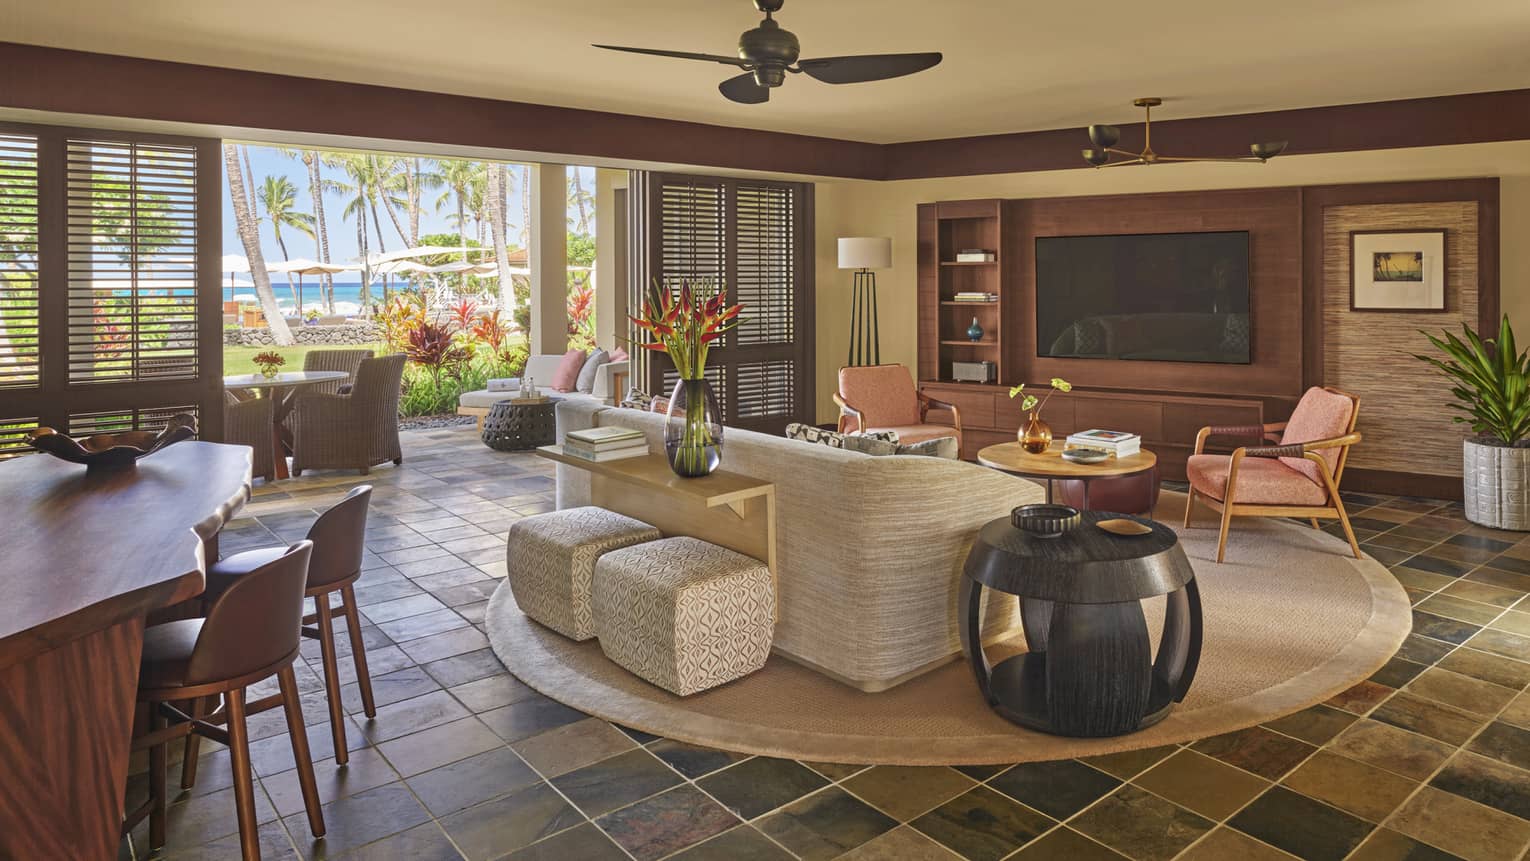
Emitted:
<point x="682" y="55"/>
<point x="744" y="90"/>
<point x="867" y="67"/>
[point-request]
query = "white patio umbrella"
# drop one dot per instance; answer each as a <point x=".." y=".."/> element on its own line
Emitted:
<point x="245" y="298"/>
<point x="303" y="266"/>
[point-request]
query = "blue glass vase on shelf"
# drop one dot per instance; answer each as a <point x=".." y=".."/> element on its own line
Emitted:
<point x="975" y="331"/>
<point x="684" y="324"/>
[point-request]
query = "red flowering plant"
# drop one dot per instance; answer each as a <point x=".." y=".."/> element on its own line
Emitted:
<point x="686" y="322"/>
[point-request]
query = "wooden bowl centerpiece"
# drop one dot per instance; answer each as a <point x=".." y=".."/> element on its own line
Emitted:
<point x="112" y="450"/>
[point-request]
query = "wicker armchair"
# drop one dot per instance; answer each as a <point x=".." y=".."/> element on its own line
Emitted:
<point x="334" y="360"/>
<point x="352" y="431"/>
<point x="249" y="423"/>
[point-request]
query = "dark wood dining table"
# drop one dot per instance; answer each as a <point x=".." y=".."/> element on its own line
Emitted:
<point x="86" y="557"/>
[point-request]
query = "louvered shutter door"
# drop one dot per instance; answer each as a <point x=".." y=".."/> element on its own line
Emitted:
<point x="20" y="310"/>
<point x="109" y="294"/>
<point x="752" y="236"/>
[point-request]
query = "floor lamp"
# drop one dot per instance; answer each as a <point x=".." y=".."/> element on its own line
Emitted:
<point x="863" y="254"/>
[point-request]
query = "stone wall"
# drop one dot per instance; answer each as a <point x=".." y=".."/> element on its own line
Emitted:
<point x="333" y="336"/>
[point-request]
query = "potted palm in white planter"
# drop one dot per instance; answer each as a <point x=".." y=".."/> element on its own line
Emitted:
<point x="1491" y="383"/>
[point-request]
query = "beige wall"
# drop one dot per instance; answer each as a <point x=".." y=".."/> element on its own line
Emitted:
<point x="865" y="208"/>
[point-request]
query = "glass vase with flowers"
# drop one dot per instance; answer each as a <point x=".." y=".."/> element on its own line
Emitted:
<point x="1034" y="436"/>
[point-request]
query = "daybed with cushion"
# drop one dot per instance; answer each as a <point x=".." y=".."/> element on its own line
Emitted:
<point x="603" y="385"/>
<point x="869" y="550"/>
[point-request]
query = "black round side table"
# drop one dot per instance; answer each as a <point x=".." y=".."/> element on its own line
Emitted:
<point x="510" y="426"/>
<point x="1090" y="670"/>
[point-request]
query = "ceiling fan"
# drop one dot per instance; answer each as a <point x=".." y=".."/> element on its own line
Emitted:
<point x="768" y="52"/>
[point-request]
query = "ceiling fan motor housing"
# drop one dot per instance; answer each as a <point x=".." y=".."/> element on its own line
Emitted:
<point x="770" y="49"/>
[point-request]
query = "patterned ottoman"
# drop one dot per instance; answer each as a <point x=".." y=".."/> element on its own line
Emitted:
<point x="684" y="614"/>
<point x="551" y="558"/>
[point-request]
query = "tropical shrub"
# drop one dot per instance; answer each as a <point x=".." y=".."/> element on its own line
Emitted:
<point x="1491" y="382"/>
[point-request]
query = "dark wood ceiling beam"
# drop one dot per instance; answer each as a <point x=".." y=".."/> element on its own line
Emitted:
<point x="77" y="82"/>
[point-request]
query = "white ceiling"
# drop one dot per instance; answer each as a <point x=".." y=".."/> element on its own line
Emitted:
<point x="1010" y="65"/>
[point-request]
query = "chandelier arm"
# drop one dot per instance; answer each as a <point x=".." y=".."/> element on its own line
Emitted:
<point x="1123" y="163"/>
<point x="1127" y="153"/>
<point x="1183" y="158"/>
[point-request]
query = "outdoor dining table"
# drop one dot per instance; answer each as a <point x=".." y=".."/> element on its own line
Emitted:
<point x="283" y="389"/>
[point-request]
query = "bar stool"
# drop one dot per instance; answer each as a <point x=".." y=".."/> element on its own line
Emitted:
<point x="249" y="634"/>
<point x="338" y="543"/>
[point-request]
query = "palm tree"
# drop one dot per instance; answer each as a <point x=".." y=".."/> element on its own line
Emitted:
<point x="496" y="184"/>
<point x="368" y="174"/>
<point x="278" y="195"/>
<point x="458" y="177"/>
<point x="581" y="200"/>
<point x="249" y="236"/>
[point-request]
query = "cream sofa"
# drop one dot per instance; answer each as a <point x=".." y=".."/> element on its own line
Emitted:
<point x="606" y="390"/>
<point x="869" y="549"/>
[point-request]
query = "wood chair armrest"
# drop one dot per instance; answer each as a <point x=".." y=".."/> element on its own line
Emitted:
<point x="848" y="412"/>
<point x="1263" y="433"/>
<point x="927" y="403"/>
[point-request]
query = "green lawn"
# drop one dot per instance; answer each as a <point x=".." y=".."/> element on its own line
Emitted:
<point x="239" y="360"/>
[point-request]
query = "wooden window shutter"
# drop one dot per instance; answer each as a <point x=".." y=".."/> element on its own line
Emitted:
<point x="110" y="304"/>
<point x="755" y="237"/>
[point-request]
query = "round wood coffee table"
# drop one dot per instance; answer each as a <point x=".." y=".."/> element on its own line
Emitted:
<point x="1049" y="466"/>
<point x="1090" y="670"/>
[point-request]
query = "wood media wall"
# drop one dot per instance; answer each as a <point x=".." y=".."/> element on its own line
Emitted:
<point x="1302" y="334"/>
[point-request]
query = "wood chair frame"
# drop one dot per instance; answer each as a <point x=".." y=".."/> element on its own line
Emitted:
<point x="1270" y="433"/>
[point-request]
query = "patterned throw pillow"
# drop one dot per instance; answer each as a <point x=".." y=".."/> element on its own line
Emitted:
<point x="833" y="439"/>
<point x="637" y="399"/>
<point x="868" y="444"/>
<point x="945" y="447"/>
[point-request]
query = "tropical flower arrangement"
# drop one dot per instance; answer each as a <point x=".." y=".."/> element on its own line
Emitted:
<point x="684" y="323"/>
<point x="270" y="363"/>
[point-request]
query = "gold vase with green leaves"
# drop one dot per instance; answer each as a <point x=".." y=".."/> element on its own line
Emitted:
<point x="1035" y="436"/>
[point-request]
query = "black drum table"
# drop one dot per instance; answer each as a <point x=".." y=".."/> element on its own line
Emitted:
<point x="1090" y="670"/>
<point x="521" y="425"/>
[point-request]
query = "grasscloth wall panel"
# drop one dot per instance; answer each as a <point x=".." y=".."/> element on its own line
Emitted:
<point x="1402" y="411"/>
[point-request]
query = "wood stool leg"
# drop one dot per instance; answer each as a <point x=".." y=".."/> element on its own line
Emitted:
<point x="157" y="769"/>
<point x="300" y="754"/>
<point x="331" y="676"/>
<point x="200" y="707"/>
<point x="358" y="650"/>
<point x="244" y="787"/>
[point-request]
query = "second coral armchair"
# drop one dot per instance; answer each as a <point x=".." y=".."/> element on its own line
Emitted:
<point x="1298" y="476"/>
<point x="884" y="398"/>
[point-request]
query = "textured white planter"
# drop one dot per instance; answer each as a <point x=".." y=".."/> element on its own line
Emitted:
<point x="1497" y="485"/>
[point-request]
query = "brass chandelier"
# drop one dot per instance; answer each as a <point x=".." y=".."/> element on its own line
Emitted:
<point x="1105" y="138"/>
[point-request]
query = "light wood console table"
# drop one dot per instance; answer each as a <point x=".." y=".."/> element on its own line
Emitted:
<point x="724" y="508"/>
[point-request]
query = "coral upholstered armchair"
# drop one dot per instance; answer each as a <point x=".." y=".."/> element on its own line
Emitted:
<point x="1296" y="477"/>
<point x="883" y="398"/>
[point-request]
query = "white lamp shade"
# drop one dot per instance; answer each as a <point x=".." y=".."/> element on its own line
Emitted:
<point x="865" y="252"/>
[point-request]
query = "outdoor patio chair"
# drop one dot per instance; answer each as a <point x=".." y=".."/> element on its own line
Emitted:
<point x="334" y="360"/>
<point x="249" y="423"/>
<point x="358" y="430"/>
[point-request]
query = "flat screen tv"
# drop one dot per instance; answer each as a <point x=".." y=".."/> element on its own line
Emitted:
<point x="1164" y="297"/>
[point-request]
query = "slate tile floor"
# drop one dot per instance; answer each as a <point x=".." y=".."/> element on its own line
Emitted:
<point x="1430" y="759"/>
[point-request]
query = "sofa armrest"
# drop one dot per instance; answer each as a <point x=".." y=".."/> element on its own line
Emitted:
<point x="606" y="388"/>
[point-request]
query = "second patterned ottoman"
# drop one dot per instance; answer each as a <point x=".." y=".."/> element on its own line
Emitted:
<point x="550" y="559"/>
<point x="684" y="614"/>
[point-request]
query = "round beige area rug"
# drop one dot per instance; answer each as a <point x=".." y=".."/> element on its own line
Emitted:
<point x="1290" y="620"/>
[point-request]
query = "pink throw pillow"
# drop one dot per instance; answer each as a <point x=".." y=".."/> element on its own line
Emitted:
<point x="567" y="375"/>
<point x="619" y="355"/>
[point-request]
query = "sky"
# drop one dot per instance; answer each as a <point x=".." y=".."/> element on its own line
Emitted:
<point x="267" y="161"/>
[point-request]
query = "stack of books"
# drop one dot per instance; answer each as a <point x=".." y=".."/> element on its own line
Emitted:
<point x="1115" y="443"/>
<point x="975" y="255"/>
<point x="975" y="296"/>
<point x="605" y="443"/>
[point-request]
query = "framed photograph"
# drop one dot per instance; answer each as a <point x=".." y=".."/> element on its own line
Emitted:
<point x="1397" y="270"/>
